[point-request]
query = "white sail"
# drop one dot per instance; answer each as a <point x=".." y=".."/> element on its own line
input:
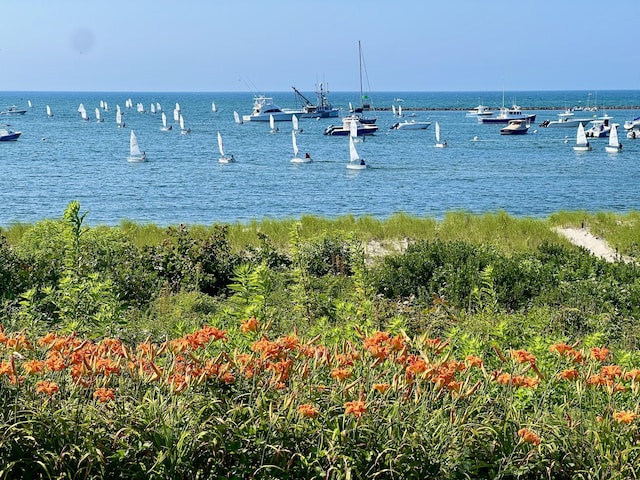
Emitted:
<point x="294" y="122"/>
<point x="236" y="117"/>
<point x="213" y="107"/>
<point x="134" y="148"/>
<point x="399" y="110"/>
<point x="613" y="137"/>
<point x="295" y="143"/>
<point x="437" y="132"/>
<point x="353" y="129"/>
<point x="101" y="103"/>
<point x="83" y="112"/>
<point x="119" y="117"/>
<point x="581" y="136"/>
<point x="164" y="120"/>
<point x="118" y="109"/>
<point x="81" y="108"/>
<point x="29" y="103"/>
<point x="393" y="110"/>
<point x="272" y="122"/>
<point x="153" y="108"/>
<point x="176" y="115"/>
<point x="220" y="146"/>
<point x="181" y="122"/>
<point x="98" y="119"/>
<point x="106" y="107"/>
<point x="140" y="108"/>
<point x="49" y="111"/>
<point x="353" y="153"/>
<point x="158" y="107"/>
<point x="177" y="106"/>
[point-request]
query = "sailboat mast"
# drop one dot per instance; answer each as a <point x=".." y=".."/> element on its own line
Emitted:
<point x="360" y="63"/>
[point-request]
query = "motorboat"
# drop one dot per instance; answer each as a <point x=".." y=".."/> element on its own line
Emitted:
<point x="480" y="111"/>
<point x="8" y="135"/>
<point x="633" y="133"/>
<point x="582" y="144"/>
<point x="410" y="125"/>
<point x="600" y="127"/>
<point x="516" y="127"/>
<point x="631" y="124"/>
<point x="322" y="109"/>
<point x="263" y="108"/>
<point x="13" y="110"/>
<point x="506" y="114"/>
<point x="565" y="119"/>
<point x="345" y="128"/>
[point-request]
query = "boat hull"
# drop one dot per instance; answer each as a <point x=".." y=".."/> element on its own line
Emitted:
<point x="614" y="149"/>
<point x="411" y="126"/>
<point x="582" y="148"/>
<point x="339" y="130"/>
<point x="10" y="137"/>
<point x="277" y="116"/>
<point x="494" y="120"/>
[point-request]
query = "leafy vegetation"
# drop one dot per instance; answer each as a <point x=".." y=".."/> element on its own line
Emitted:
<point x="488" y="348"/>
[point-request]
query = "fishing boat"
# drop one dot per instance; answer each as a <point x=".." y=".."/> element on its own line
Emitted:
<point x="614" y="145"/>
<point x="135" y="155"/>
<point x="223" y="158"/>
<point x="516" y="127"/>
<point x="322" y="109"/>
<point x="263" y="108"/>
<point x="480" y="111"/>
<point x="600" y="127"/>
<point x="439" y="144"/>
<point x="582" y="144"/>
<point x="9" y="135"/>
<point x="296" y="151"/>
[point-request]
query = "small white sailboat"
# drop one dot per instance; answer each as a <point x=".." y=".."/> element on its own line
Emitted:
<point x="49" y="114"/>
<point x="393" y="110"/>
<point x="294" y="122"/>
<point x="119" y="117"/>
<point x="296" y="151"/>
<point x="236" y="117"/>
<point x="158" y="107"/>
<point x="272" y="124"/>
<point x="135" y="155"/>
<point x="153" y="108"/>
<point x="355" y="162"/>
<point x="439" y="144"/>
<point x="140" y="108"/>
<point x="614" y="145"/>
<point x="582" y="144"/>
<point x="176" y="115"/>
<point x="400" y="110"/>
<point x="29" y="103"/>
<point x="223" y="158"/>
<point x="213" y="107"/>
<point x="83" y="113"/>
<point x="182" y="129"/>
<point x="99" y="118"/>
<point x="165" y="128"/>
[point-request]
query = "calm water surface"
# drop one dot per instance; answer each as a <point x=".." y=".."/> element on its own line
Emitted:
<point x="62" y="158"/>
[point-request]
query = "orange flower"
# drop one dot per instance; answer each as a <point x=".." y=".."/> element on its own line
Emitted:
<point x="561" y="348"/>
<point x="528" y="436"/>
<point x="473" y="361"/>
<point x="340" y="374"/>
<point x="569" y="374"/>
<point x="32" y="367"/>
<point x="522" y="356"/>
<point x="633" y="375"/>
<point x="624" y="416"/>
<point x="611" y="371"/>
<point x="250" y="325"/>
<point x="55" y="362"/>
<point x="600" y="353"/>
<point x="104" y="394"/>
<point x="47" y="387"/>
<point x="381" y="387"/>
<point x="307" y="410"/>
<point x="576" y="356"/>
<point x="6" y="368"/>
<point x="357" y="408"/>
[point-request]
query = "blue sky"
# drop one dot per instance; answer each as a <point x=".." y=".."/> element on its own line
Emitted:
<point x="270" y="45"/>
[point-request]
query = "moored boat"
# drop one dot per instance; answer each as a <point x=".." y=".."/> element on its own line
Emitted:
<point x="263" y="108"/>
<point x="345" y="128"/>
<point x="506" y="114"/>
<point x="9" y="135"/>
<point x="516" y="127"/>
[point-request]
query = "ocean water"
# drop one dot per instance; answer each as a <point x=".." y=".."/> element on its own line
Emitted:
<point x="62" y="158"/>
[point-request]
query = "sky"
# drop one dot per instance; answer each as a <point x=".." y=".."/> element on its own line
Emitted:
<point x="263" y="46"/>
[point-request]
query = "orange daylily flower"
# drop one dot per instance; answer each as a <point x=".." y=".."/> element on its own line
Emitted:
<point x="528" y="436"/>
<point x="560" y="348"/>
<point x="307" y="410"/>
<point x="31" y="367"/>
<point x="104" y="394"/>
<point x="600" y="353"/>
<point x="624" y="416"/>
<point x="473" y="361"/>
<point x="569" y="374"/>
<point x="381" y="387"/>
<point x="47" y="387"/>
<point x="357" y="408"/>
<point x="340" y="374"/>
<point x="250" y="325"/>
<point x="522" y="356"/>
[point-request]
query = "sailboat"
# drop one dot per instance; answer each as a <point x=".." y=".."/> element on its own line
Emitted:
<point x="119" y="117"/>
<point x="439" y="144"/>
<point x="83" y="112"/>
<point x="223" y="158"/>
<point x="582" y="144"/>
<point x="165" y="128"/>
<point x="355" y="162"/>
<point x="296" y="151"/>
<point x="213" y="107"/>
<point x="236" y="117"/>
<point x="49" y="114"/>
<point x="153" y="108"/>
<point x="294" y="122"/>
<point x="614" y="144"/>
<point x="182" y="129"/>
<point x="135" y="155"/>
<point x="99" y="119"/>
<point x="272" y="124"/>
<point x="363" y="105"/>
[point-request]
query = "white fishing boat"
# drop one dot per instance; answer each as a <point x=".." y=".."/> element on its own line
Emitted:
<point x="582" y="144"/>
<point x="296" y="158"/>
<point x="355" y="162"/>
<point x="165" y="128"/>
<point x="264" y="109"/>
<point x="439" y="144"/>
<point x="223" y="158"/>
<point x="614" y="145"/>
<point x="322" y="109"/>
<point x="99" y="118"/>
<point x="49" y="113"/>
<point x="135" y="155"/>
<point x="236" y="117"/>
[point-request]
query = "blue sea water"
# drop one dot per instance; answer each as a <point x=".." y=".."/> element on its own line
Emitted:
<point x="62" y="158"/>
